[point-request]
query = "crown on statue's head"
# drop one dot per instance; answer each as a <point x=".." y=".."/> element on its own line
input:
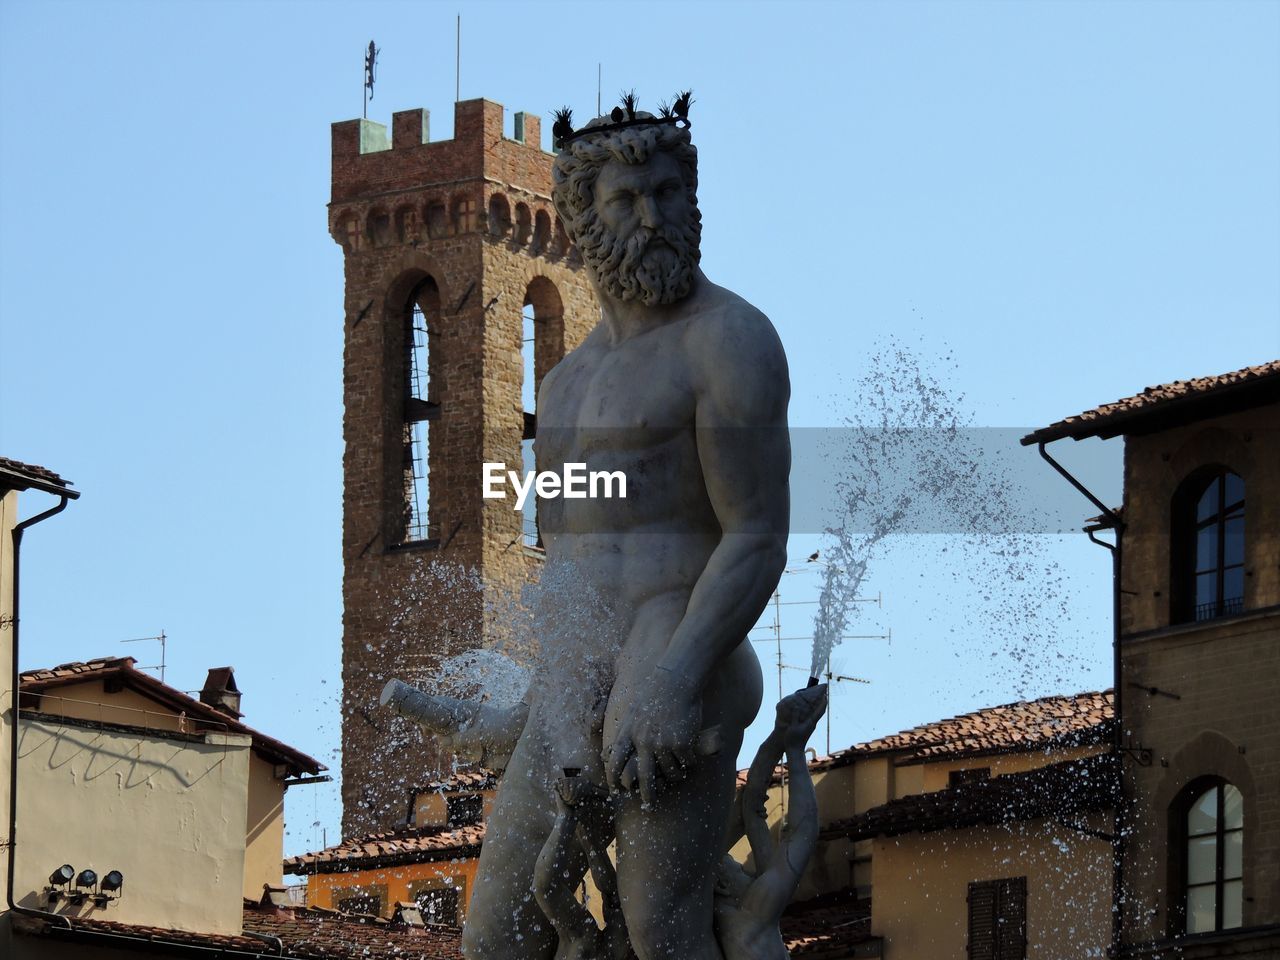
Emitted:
<point x="626" y="115"/>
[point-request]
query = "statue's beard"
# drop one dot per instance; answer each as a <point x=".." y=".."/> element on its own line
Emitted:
<point x="652" y="266"/>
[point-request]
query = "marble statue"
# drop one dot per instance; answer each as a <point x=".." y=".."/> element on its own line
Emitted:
<point x="645" y="691"/>
<point x="749" y="904"/>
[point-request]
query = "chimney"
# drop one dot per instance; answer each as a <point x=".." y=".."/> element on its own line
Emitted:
<point x="221" y="693"/>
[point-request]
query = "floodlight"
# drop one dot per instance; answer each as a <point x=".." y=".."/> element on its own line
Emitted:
<point x="61" y="877"/>
<point x="87" y="878"/>
<point x="112" y="886"/>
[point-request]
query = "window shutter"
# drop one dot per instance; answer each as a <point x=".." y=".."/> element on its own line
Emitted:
<point x="982" y="920"/>
<point x="1011" y="924"/>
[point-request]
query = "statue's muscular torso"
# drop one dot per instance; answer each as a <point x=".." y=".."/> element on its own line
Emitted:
<point x="691" y="405"/>
<point x="632" y="406"/>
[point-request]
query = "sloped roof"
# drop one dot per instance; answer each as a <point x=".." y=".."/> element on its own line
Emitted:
<point x="411" y="845"/>
<point x="1055" y="790"/>
<point x="201" y="715"/>
<point x="305" y="933"/>
<point x="1077" y="719"/>
<point x="465" y="781"/>
<point x="16" y="475"/>
<point x="829" y="927"/>
<point x="315" y="934"/>
<point x="1247" y="386"/>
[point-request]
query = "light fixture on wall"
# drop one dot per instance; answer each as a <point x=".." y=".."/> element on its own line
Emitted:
<point x="111" y="887"/>
<point x="86" y="885"/>
<point x="61" y="877"/>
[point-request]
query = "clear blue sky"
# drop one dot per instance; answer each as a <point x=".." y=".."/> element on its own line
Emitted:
<point x="1073" y="200"/>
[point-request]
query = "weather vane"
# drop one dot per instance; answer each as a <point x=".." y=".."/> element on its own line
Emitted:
<point x="370" y="71"/>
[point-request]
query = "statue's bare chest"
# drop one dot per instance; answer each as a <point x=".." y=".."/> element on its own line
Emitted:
<point x="641" y="384"/>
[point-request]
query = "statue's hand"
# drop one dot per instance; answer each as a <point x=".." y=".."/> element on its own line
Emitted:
<point x="659" y="731"/>
<point x="798" y="715"/>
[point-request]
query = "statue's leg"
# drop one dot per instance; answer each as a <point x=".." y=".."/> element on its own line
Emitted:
<point x="504" y="921"/>
<point x="667" y="857"/>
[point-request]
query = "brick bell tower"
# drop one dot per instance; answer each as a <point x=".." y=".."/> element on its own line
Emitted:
<point x="462" y="291"/>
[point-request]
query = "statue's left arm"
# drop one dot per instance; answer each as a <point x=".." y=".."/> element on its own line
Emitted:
<point x="742" y="388"/>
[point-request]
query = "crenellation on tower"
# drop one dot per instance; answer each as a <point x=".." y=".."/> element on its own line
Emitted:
<point x="450" y="249"/>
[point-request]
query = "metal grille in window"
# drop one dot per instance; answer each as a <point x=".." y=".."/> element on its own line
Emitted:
<point x="439" y="905"/>
<point x="1219" y="548"/>
<point x="419" y="412"/>
<point x="998" y="919"/>
<point x="366" y="903"/>
<point x="465" y="809"/>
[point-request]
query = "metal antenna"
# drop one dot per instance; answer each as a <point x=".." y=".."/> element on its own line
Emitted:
<point x="155" y="666"/>
<point x="599" y="75"/>
<point x="457" y="61"/>
<point x="370" y="71"/>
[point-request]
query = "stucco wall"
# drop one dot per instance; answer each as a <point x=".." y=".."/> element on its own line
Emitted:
<point x="396" y="883"/>
<point x="264" y="829"/>
<point x="431" y="808"/>
<point x="921" y="884"/>
<point x="91" y="701"/>
<point x="168" y="812"/>
<point x="937" y="775"/>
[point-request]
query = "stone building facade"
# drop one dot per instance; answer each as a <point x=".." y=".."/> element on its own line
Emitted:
<point x="1199" y="643"/>
<point x="456" y="270"/>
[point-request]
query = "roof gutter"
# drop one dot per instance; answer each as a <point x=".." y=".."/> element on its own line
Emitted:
<point x="15" y="680"/>
<point x="1110" y="522"/>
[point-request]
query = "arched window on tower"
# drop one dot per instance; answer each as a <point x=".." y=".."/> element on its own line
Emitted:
<point x="1209" y="560"/>
<point x="420" y="409"/>
<point x="524" y="224"/>
<point x="499" y="216"/>
<point x="541" y="231"/>
<point x="1211" y="820"/>
<point x="528" y="407"/>
<point x="541" y="348"/>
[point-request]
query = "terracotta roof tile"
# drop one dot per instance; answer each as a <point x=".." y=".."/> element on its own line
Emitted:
<point x="828" y="927"/>
<point x="1056" y="790"/>
<point x="312" y="934"/>
<point x="35" y="682"/>
<point x="413" y="845"/>
<point x="306" y="934"/>
<point x="465" y="781"/>
<point x="1262" y="382"/>
<point x="1081" y="718"/>
<point x="31" y="472"/>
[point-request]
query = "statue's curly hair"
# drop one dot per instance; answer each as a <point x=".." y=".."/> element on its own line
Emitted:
<point x="580" y="162"/>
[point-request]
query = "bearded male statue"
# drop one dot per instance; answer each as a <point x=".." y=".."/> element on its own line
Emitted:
<point x="683" y="386"/>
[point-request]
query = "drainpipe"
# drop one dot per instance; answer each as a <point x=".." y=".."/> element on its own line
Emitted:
<point x="1112" y="522"/>
<point x="16" y="679"/>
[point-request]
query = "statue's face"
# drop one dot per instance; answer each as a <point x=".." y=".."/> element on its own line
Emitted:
<point x="649" y="194"/>
<point x="645" y="246"/>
